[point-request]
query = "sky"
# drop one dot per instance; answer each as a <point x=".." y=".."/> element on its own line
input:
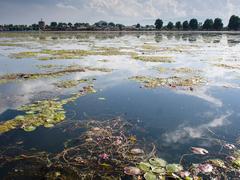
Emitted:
<point x="119" y="11"/>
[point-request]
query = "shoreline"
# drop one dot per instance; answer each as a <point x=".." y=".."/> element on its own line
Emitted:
<point x="182" y="32"/>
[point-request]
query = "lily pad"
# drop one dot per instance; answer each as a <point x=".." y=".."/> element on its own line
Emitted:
<point x="29" y="128"/>
<point x="144" y="166"/>
<point x="157" y="162"/>
<point x="158" y="170"/>
<point x="48" y="125"/>
<point x="171" y="168"/>
<point x="150" y="176"/>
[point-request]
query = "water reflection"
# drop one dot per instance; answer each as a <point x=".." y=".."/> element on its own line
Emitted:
<point x="176" y="115"/>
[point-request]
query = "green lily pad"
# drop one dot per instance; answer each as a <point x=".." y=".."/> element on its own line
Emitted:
<point x="157" y="162"/>
<point x="48" y="125"/>
<point x="29" y="128"/>
<point x="236" y="163"/>
<point x="171" y="168"/>
<point x="144" y="166"/>
<point x="158" y="170"/>
<point x="150" y="176"/>
<point x="217" y="163"/>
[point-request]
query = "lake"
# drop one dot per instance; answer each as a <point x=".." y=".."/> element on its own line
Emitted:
<point x="95" y="105"/>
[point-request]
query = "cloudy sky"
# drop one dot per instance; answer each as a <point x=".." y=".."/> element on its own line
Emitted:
<point x="120" y="11"/>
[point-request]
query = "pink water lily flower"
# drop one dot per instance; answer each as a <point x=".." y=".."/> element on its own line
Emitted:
<point x="205" y="168"/>
<point x="230" y="146"/>
<point x="197" y="150"/>
<point x="104" y="156"/>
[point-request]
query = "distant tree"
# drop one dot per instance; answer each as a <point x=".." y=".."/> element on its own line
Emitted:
<point x="120" y="26"/>
<point x="185" y="25"/>
<point x="158" y="23"/>
<point x="170" y="25"/>
<point x="193" y="24"/>
<point x="138" y="26"/>
<point x="234" y="23"/>
<point x="69" y="24"/>
<point x="208" y="24"/>
<point x="178" y="25"/>
<point x="35" y="27"/>
<point x="218" y="24"/>
<point x="53" y="25"/>
<point x="111" y="24"/>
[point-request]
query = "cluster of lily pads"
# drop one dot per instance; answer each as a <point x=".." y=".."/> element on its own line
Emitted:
<point x="173" y="82"/>
<point x="212" y="168"/>
<point x="102" y="151"/>
<point x="45" y="113"/>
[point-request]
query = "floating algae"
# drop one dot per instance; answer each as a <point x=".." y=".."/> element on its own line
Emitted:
<point x="46" y="113"/>
<point x="227" y="66"/>
<point x="163" y="59"/>
<point x="48" y="54"/>
<point x="61" y="72"/>
<point x="153" y="82"/>
<point x="71" y="83"/>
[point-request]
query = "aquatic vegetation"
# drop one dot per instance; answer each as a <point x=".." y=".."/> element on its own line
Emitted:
<point x="71" y="83"/>
<point x="45" y="113"/>
<point x="48" y="54"/>
<point x="173" y="82"/>
<point x="91" y="154"/>
<point x="228" y="66"/>
<point x="60" y="72"/>
<point x="10" y="44"/>
<point x="163" y="59"/>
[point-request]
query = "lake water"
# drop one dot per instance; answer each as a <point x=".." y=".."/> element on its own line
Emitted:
<point x="172" y="115"/>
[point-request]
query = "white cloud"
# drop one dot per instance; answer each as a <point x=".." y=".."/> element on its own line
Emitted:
<point x="184" y="133"/>
<point x="65" y="6"/>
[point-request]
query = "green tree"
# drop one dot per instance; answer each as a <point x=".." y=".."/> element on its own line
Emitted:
<point x="111" y="24"/>
<point x="70" y="25"/>
<point x="53" y="25"/>
<point x="218" y="24"/>
<point x="208" y="24"/>
<point x="158" y="24"/>
<point x="234" y="23"/>
<point x="178" y="25"/>
<point x="193" y="24"/>
<point x="138" y="26"/>
<point x="170" y="26"/>
<point x="185" y="25"/>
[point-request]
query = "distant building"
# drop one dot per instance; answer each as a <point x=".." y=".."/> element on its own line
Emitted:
<point x="41" y="24"/>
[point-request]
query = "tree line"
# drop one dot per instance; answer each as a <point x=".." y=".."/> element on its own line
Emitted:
<point x="193" y="24"/>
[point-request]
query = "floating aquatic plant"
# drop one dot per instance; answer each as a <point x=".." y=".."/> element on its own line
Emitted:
<point x="173" y="82"/>
<point x="61" y="72"/>
<point x="45" y="113"/>
<point x="71" y="83"/>
<point x="91" y="154"/>
<point x="162" y="59"/>
<point x="49" y="54"/>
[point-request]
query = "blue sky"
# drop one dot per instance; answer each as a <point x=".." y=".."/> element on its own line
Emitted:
<point x="120" y="11"/>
